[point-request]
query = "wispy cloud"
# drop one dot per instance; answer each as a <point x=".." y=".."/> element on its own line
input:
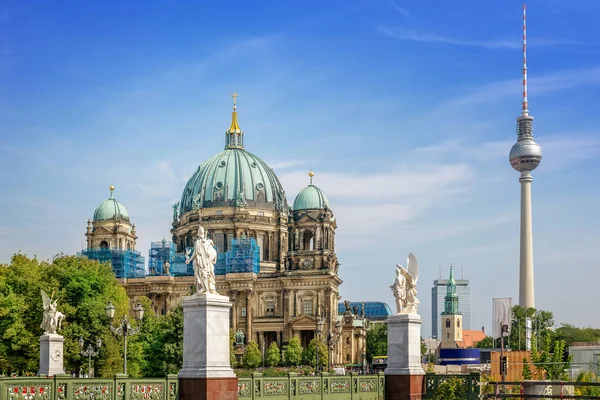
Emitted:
<point x="410" y="35"/>
<point x="396" y="7"/>
<point x="548" y="83"/>
<point x="284" y="164"/>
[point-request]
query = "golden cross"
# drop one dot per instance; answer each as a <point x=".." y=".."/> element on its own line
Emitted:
<point x="234" y="95"/>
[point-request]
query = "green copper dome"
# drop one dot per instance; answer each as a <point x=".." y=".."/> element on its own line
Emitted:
<point x="309" y="198"/>
<point x="233" y="177"/>
<point x="110" y="209"/>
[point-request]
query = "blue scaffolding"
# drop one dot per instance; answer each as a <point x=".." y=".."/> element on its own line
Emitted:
<point x="159" y="254"/>
<point x="125" y="263"/>
<point x="244" y="256"/>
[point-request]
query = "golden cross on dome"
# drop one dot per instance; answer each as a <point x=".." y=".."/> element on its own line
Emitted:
<point x="234" y="95"/>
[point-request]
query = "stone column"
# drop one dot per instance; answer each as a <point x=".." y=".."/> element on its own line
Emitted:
<point x="234" y="310"/>
<point x="206" y="373"/>
<point x="404" y="375"/>
<point x="249" y="316"/>
<point x="51" y="354"/>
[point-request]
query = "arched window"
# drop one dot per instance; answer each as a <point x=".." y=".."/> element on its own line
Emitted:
<point x="308" y="240"/>
<point x="447" y="322"/>
<point x="447" y="335"/>
<point x="458" y="323"/>
<point x="104" y="245"/>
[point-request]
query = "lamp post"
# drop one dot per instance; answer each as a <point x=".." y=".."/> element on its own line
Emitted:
<point x="332" y="337"/>
<point x="90" y="352"/>
<point x="124" y="329"/>
<point x="318" y="331"/>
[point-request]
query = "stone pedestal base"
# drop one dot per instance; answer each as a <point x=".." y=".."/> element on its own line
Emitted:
<point x="404" y="345"/>
<point x="51" y="355"/>
<point x="208" y="388"/>
<point x="404" y="375"/>
<point x="404" y="387"/>
<point x="206" y="373"/>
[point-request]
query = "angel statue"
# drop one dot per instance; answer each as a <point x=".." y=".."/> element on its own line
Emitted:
<point x="204" y="257"/>
<point x="405" y="286"/>
<point x="52" y="318"/>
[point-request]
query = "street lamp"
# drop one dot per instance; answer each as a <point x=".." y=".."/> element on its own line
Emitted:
<point x="319" y="329"/>
<point x="90" y="352"/>
<point x="124" y="329"/>
<point x="332" y="337"/>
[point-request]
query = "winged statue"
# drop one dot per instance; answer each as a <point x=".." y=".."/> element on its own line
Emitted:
<point x="405" y="286"/>
<point x="52" y="317"/>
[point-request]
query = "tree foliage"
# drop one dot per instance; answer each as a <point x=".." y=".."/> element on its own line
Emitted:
<point x="376" y="341"/>
<point x="571" y="334"/>
<point x="83" y="288"/>
<point x="451" y="389"/>
<point x="273" y="355"/>
<point x="542" y="323"/>
<point x="485" y="343"/>
<point x="293" y="353"/>
<point x="252" y="357"/>
<point x="309" y="355"/>
<point x="162" y="343"/>
<point x="550" y="358"/>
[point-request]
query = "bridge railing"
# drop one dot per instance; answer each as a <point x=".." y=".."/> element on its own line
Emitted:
<point x="323" y="386"/>
<point x="470" y="383"/>
<point x="64" y="387"/>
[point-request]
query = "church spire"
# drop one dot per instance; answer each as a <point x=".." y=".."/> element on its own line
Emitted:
<point x="451" y="298"/>
<point x="234" y="137"/>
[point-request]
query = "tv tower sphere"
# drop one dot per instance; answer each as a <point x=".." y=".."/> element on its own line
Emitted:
<point x="526" y="154"/>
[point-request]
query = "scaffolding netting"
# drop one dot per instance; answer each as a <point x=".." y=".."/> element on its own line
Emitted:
<point x="125" y="263"/>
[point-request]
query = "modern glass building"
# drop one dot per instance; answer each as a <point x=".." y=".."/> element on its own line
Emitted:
<point x="374" y="310"/>
<point x="438" y="292"/>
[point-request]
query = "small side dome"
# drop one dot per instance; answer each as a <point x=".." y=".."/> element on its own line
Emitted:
<point x="110" y="209"/>
<point x="310" y="198"/>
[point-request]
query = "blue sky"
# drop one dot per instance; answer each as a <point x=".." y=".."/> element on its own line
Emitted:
<point x="405" y="111"/>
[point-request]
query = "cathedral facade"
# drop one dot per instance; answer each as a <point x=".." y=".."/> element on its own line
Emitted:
<point x="277" y="262"/>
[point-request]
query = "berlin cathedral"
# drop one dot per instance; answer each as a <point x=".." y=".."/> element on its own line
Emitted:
<point x="276" y="262"/>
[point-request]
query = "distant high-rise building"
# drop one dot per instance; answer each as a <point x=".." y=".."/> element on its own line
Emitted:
<point x="438" y="293"/>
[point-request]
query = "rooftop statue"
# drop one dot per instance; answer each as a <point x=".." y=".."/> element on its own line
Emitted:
<point x="52" y="318"/>
<point x="204" y="257"/>
<point x="405" y="286"/>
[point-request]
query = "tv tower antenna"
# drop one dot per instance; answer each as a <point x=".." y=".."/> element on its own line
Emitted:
<point x="524" y="157"/>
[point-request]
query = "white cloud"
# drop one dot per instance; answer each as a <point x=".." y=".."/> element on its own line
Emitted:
<point x="396" y="7"/>
<point x="414" y="36"/>
<point x="410" y="35"/>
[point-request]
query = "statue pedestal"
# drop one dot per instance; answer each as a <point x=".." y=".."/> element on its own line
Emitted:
<point x="404" y="375"/>
<point x="206" y="373"/>
<point x="51" y="354"/>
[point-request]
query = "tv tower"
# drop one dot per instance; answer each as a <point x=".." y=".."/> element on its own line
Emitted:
<point x="524" y="157"/>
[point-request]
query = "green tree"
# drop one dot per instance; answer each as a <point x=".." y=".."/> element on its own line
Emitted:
<point x="293" y="353"/>
<point x="542" y="323"/>
<point x="485" y="343"/>
<point x="550" y="358"/>
<point x="273" y="355"/>
<point x="570" y="334"/>
<point x="376" y="341"/>
<point x="83" y="288"/>
<point x="252" y="357"/>
<point x="162" y="343"/>
<point x="451" y="389"/>
<point x="309" y="355"/>
<point x="587" y="390"/>
<point x="526" y="370"/>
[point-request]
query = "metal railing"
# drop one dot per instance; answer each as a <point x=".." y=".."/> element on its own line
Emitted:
<point x="64" y="387"/>
<point x="322" y="386"/>
<point x="542" y="390"/>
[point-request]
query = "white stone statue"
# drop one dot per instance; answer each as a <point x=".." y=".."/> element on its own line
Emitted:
<point x="204" y="257"/>
<point x="52" y="318"/>
<point x="405" y="286"/>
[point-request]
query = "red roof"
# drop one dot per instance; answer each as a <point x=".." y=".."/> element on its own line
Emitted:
<point x="471" y="338"/>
